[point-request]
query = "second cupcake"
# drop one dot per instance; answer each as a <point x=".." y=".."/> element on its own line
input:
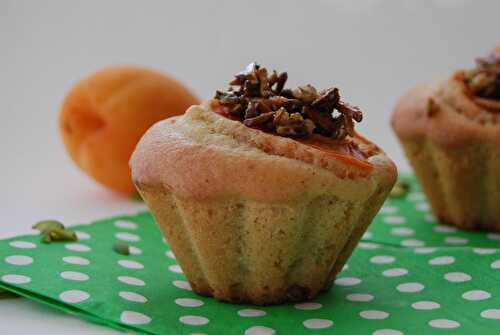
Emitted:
<point x="450" y="132"/>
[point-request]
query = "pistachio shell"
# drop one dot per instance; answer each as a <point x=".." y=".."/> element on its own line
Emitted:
<point x="46" y="225"/>
<point x="400" y="189"/>
<point x="58" y="234"/>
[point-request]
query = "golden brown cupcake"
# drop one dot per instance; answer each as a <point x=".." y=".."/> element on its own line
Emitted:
<point x="450" y="132"/>
<point x="262" y="192"/>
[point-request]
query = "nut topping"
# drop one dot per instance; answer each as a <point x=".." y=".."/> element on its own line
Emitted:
<point x="260" y="100"/>
<point x="484" y="80"/>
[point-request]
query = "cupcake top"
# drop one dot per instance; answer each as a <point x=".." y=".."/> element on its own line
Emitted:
<point x="462" y="109"/>
<point x="261" y="141"/>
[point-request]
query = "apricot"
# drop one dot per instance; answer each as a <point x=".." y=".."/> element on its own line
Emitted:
<point x="104" y="115"/>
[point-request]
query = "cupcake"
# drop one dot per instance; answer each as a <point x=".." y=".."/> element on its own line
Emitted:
<point x="262" y="192"/>
<point x="450" y="133"/>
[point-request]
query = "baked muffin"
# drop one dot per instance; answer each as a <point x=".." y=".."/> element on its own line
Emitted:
<point x="450" y="133"/>
<point x="262" y="192"/>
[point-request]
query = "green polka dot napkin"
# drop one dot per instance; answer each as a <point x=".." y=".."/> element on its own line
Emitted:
<point x="409" y="275"/>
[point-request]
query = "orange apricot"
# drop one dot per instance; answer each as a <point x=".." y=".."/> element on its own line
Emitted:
<point x="104" y="115"/>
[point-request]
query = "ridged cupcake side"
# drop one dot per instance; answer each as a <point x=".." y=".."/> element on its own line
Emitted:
<point x="246" y="251"/>
<point x="453" y="145"/>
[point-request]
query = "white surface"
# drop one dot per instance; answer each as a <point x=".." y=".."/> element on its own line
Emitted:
<point x="373" y="49"/>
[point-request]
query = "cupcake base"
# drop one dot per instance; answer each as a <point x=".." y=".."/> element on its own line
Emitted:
<point x="462" y="185"/>
<point x="261" y="253"/>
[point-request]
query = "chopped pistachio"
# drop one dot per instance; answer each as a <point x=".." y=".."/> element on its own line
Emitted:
<point x="121" y="248"/>
<point x="4" y="294"/>
<point x="58" y="234"/>
<point x="259" y="100"/>
<point x="47" y="225"/>
<point x="400" y="189"/>
<point x="136" y="197"/>
<point x="53" y="230"/>
<point x="46" y="237"/>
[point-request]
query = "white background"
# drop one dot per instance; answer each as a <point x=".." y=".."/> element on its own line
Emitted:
<point x="374" y="50"/>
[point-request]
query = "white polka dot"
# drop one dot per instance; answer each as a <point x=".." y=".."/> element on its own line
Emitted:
<point x="424" y="250"/>
<point x="394" y="219"/>
<point x="74" y="275"/>
<point x="374" y="315"/>
<point x="16" y="279"/>
<point x="442" y="260"/>
<point x="74" y="296"/>
<point x="175" y="268"/>
<point x="347" y="281"/>
<point x="132" y="296"/>
<point x="484" y="251"/>
<point x="134" y="318"/>
<point x="416" y="196"/>
<point x="125" y="224"/>
<point x="188" y="302"/>
<point x="22" y="245"/>
<point x="308" y="306"/>
<point x="77" y="247"/>
<point x="345" y="267"/>
<point x="367" y="235"/>
<point x="80" y="235"/>
<point x="388" y="209"/>
<point x="382" y="259"/>
<point x="412" y="243"/>
<point x="402" y="231"/>
<point x="19" y="260"/>
<point x="387" y="332"/>
<point x="368" y="245"/>
<point x="476" y="295"/>
<point x="457" y="277"/>
<point x="456" y="240"/>
<point x="182" y="284"/>
<point x="422" y="206"/>
<point x="130" y="264"/>
<point x="194" y="320"/>
<point x="131" y="280"/>
<point x="127" y="237"/>
<point x="425" y="305"/>
<point x="251" y="313"/>
<point x="396" y="272"/>
<point x="444" y="229"/>
<point x="359" y="297"/>
<point x="496" y="264"/>
<point x="259" y="330"/>
<point x="317" y="323"/>
<point x="430" y="218"/>
<point x="410" y="287"/>
<point x="444" y="323"/>
<point x="170" y="254"/>
<point x="76" y="260"/>
<point x="491" y="314"/>
<point x="134" y="250"/>
<point x="494" y="236"/>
